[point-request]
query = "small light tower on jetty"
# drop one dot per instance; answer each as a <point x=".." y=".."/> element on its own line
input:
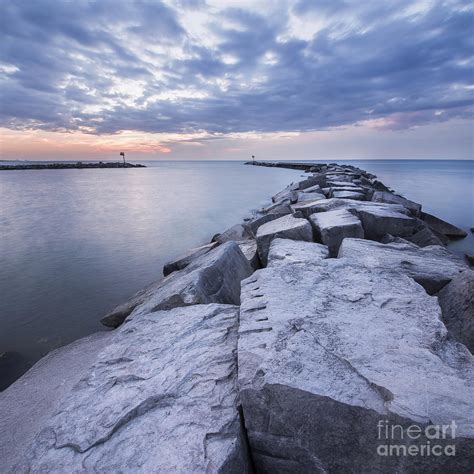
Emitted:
<point x="122" y="154"/>
<point x="253" y="159"/>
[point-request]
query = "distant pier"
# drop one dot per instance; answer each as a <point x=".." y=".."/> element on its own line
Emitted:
<point x="67" y="166"/>
<point x="308" y="167"/>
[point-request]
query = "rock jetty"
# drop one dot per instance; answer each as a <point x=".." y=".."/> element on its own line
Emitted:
<point x="331" y="332"/>
<point x="68" y="166"/>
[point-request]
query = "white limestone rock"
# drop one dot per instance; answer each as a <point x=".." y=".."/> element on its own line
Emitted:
<point x="326" y="354"/>
<point x="332" y="227"/>
<point x="287" y="227"/>
<point x="432" y="267"/>
<point x="161" y="397"/>
<point x="284" y="251"/>
<point x="213" y="278"/>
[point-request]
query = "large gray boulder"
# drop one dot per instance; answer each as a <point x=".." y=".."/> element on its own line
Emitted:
<point x="317" y="179"/>
<point x="388" y="197"/>
<point x="432" y="267"/>
<point x="287" y="194"/>
<point x="377" y="219"/>
<point x="286" y="227"/>
<point x="309" y="207"/>
<point x="184" y="260"/>
<point x="329" y="356"/>
<point x="236" y="232"/>
<point x="160" y="397"/>
<point x="443" y="227"/>
<point x="28" y="404"/>
<point x="281" y="207"/>
<point x="213" y="278"/>
<point x="424" y="235"/>
<point x="256" y="222"/>
<point x="457" y="305"/>
<point x="283" y="251"/>
<point x="332" y="227"/>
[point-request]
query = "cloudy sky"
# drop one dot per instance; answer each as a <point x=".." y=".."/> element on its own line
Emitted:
<point x="224" y="79"/>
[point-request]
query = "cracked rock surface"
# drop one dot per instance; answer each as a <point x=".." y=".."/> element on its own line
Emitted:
<point x="432" y="267"/>
<point x="325" y="353"/>
<point x="161" y="397"/>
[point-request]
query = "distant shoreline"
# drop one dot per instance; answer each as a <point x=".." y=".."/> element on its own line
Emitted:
<point x="61" y="166"/>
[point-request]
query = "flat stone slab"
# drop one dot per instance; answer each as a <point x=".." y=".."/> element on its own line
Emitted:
<point x="307" y="208"/>
<point x="27" y="405"/>
<point x="341" y="184"/>
<point x="283" y="251"/>
<point x="286" y="227"/>
<point x="184" y="260"/>
<point x="387" y="197"/>
<point x="313" y="189"/>
<point x="432" y="267"/>
<point x="212" y="278"/>
<point x="332" y="227"/>
<point x="326" y="357"/>
<point x="344" y="194"/>
<point x="160" y="397"/>
<point x="304" y="196"/>
<point x="457" y="305"/>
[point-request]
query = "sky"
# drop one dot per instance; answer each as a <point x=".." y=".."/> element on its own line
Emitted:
<point x="225" y="79"/>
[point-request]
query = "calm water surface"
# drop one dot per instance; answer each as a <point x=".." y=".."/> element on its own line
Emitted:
<point x="75" y="243"/>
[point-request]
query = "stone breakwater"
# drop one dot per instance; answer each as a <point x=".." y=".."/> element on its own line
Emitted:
<point x="68" y="166"/>
<point x="295" y="341"/>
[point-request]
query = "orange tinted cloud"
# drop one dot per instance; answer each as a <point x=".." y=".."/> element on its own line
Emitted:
<point x="43" y="145"/>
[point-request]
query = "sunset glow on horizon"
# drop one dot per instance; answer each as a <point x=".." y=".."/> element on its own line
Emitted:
<point x="190" y="79"/>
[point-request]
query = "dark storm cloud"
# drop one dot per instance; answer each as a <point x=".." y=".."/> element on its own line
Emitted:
<point x="63" y="62"/>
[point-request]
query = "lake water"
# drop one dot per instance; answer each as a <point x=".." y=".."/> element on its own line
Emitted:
<point x="75" y="243"/>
